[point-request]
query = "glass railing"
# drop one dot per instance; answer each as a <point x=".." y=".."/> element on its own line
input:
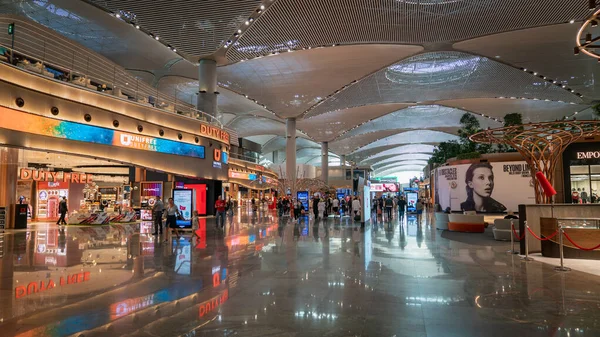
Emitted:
<point x="103" y="78"/>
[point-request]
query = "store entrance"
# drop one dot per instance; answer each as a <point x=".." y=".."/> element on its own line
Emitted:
<point x="86" y="185"/>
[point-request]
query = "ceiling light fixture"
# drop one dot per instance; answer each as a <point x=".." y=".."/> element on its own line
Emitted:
<point x="118" y="15"/>
<point x="137" y="26"/>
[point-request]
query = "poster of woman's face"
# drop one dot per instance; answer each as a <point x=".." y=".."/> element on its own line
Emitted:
<point x="484" y="187"/>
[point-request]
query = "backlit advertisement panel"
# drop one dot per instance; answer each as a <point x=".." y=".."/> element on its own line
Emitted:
<point x="384" y="187"/>
<point x="303" y="198"/>
<point x="24" y="122"/>
<point x="484" y="187"/>
<point x="183" y="198"/>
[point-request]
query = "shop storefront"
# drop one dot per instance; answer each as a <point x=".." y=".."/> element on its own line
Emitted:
<point x="581" y="167"/>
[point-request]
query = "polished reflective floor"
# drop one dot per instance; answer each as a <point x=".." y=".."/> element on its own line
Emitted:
<point x="264" y="276"/>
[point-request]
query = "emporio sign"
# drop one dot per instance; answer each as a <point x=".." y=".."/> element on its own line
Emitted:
<point x="588" y="155"/>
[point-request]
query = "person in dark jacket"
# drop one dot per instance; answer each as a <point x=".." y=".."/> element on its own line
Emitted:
<point x="62" y="209"/>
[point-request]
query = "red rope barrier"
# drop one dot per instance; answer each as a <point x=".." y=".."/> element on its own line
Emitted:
<point x="542" y="239"/>
<point x="578" y="246"/>
<point x="516" y="234"/>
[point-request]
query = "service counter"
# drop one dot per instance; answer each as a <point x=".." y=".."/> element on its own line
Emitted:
<point x="534" y="213"/>
<point x="583" y="231"/>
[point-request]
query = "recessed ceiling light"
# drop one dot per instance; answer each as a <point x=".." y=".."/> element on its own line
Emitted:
<point x="118" y="16"/>
<point x="262" y="6"/>
<point x="497" y="56"/>
<point x="572" y="21"/>
<point x="157" y="38"/>
<point x="137" y="26"/>
<point x="247" y="23"/>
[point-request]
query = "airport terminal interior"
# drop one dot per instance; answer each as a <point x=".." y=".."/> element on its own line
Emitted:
<point x="426" y="168"/>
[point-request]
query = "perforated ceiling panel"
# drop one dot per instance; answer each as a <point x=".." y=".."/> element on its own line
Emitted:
<point x="374" y="154"/>
<point x="67" y="23"/>
<point x="547" y="50"/>
<point x="254" y="126"/>
<point x="531" y="110"/>
<point x="328" y="126"/>
<point x="279" y="143"/>
<point x="380" y="167"/>
<point x="397" y="158"/>
<point x="290" y="83"/>
<point x="444" y="75"/>
<point x="399" y="168"/>
<point x="309" y="23"/>
<point x="194" y="27"/>
<point x="422" y="116"/>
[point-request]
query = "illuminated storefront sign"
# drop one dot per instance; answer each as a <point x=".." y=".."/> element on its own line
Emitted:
<point x="56" y="176"/>
<point x="45" y="285"/>
<point x="214" y="132"/>
<point x="588" y="155"/>
<point x="24" y="122"/>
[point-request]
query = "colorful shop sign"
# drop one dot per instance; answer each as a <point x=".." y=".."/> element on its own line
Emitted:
<point x="214" y="133"/>
<point x="39" y="125"/>
<point x="54" y="176"/>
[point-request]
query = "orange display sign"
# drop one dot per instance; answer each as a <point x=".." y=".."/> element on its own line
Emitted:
<point x="214" y="132"/>
<point x="54" y="176"/>
<point x="213" y="303"/>
<point x="217" y="155"/>
<point x="45" y="285"/>
<point x="139" y="142"/>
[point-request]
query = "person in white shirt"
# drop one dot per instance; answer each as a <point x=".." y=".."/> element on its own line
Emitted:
<point x="356" y="206"/>
<point x="336" y="206"/>
<point x="321" y="207"/>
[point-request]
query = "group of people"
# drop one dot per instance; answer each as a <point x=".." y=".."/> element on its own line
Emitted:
<point x="388" y="205"/>
<point x="321" y="207"/>
<point x="171" y="212"/>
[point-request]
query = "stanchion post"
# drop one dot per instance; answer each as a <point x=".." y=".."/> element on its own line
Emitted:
<point x="512" y="238"/>
<point x="562" y="255"/>
<point x="526" y="257"/>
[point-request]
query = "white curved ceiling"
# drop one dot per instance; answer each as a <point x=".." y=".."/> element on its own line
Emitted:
<point x="397" y="81"/>
<point x="290" y="83"/>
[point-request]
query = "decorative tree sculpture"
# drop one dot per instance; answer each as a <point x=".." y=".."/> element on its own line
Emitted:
<point x="541" y="144"/>
<point x="300" y="184"/>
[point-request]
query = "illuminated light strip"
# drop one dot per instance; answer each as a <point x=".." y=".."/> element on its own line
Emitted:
<point x="29" y="123"/>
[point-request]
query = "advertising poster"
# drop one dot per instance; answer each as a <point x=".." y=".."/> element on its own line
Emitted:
<point x="183" y="200"/>
<point x="384" y="187"/>
<point x="303" y="198"/>
<point x="484" y="187"/>
<point x="411" y="201"/>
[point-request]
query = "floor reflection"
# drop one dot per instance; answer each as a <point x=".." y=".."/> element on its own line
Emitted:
<point x="264" y="275"/>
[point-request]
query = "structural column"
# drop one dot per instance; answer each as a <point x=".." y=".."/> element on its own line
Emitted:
<point x="343" y="160"/>
<point x="207" y="87"/>
<point x="9" y="167"/>
<point x="325" y="162"/>
<point x="290" y="150"/>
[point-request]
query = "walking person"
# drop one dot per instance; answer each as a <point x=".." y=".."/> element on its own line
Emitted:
<point x="172" y="212"/>
<point x="336" y="206"/>
<point x="401" y="208"/>
<point x="220" y="206"/>
<point x="157" y="211"/>
<point x="419" y="207"/>
<point x="229" y="207"/>
<point x="389" y="206"/>
<point x="195" y="225"/>
<point x="62" y="209"/>
<point x="297" y="209"/>
<point x="356" y="207"/>
<point x="315" y="207"/>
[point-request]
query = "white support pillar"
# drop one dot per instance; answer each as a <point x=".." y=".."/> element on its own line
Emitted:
<point x="325" y="162"/>
<point x="207" y="87"/>
<point x="343" y="160"/>
<point x="290" y="150"/>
